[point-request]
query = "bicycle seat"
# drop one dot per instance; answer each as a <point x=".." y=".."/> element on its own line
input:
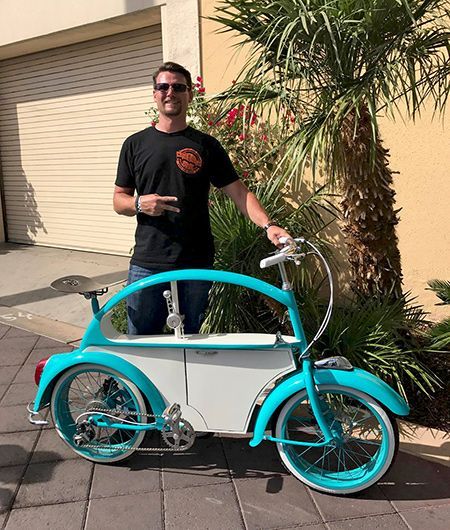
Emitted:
<point x="81" y="285"/>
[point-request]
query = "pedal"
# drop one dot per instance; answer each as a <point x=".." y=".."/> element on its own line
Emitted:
<point x="172" y="413"/>
<point x="177" y="433"/>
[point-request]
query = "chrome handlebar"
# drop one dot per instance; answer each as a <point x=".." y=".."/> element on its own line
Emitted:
<point x="289" y="252"/>
<point x="292" y="252"/>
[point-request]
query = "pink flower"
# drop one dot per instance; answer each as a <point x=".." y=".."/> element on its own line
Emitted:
<point x="201" y="90"/>
<point x="199" y="79"/>
<point x="245" y="174"/>
<point x="264" y="138"/>
<point x="153" y="123"/>
<point x="242" y="137"/>
<point x="231" y="117"/>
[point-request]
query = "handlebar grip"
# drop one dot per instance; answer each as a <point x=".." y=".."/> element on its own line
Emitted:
<point x="272" y="260"/>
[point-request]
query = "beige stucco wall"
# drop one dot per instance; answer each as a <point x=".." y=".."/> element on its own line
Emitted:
<point x="220" y="61"/>
<point x="33" y="26"/>
<point x="420" y="152"/>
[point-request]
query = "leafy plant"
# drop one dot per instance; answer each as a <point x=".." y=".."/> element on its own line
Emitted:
<point x="440" y="333"/>
<point x="240" y="246"/>
<point x="442" y="290"/>
<point x="381" y="336"/>
<point x="335" y="66"/>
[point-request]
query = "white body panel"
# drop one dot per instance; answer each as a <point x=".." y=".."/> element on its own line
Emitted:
<point x="217" y="389"/>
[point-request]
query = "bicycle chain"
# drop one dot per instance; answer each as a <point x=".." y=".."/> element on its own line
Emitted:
<point x="127" y="447"/>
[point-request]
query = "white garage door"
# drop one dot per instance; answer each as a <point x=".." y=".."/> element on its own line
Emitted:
<point x="64" y="114"/>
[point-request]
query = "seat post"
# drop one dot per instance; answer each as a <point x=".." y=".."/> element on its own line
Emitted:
<point x="94" y="304"/>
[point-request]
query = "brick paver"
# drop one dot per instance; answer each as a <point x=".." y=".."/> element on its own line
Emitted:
<point x="221" y="483"/>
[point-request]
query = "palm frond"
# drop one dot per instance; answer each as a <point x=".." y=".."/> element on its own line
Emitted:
<point x="441" y="288"/>
<point x="329" y="58"/>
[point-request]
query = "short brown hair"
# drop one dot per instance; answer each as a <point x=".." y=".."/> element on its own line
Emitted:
<point x="175" y="68"/>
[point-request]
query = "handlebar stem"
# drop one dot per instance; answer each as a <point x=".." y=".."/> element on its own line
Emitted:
<point x="286" y="286"/>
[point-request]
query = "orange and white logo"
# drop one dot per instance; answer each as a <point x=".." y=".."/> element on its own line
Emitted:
<point x="189" y="161"/>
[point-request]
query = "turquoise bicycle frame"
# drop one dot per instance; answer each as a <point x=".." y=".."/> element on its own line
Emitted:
<point x="307" y="377"/>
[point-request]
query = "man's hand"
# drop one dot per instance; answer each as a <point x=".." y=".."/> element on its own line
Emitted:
<point x="154" y="204"/>
<point x="275" y="232"/>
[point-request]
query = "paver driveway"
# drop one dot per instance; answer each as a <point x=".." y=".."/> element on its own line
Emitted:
<point x="221" y="484"/>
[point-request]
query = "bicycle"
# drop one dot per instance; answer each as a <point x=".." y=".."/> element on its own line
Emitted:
<point x="333" y="424"/>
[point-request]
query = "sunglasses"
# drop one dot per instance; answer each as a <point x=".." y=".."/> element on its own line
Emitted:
<point x="176" y="87"/>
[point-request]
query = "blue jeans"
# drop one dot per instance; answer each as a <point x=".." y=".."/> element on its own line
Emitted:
<point x="147" y="308"/>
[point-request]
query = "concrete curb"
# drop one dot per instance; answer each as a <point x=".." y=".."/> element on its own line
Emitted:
<point x="424" y="442"/>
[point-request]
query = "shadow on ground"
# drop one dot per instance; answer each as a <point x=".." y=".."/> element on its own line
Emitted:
<point x="410" y="478"/>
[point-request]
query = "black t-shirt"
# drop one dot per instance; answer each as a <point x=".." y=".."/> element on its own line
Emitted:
<point x="183" y="165"/>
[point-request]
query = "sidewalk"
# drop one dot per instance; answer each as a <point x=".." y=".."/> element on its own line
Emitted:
<point x="28" y="270"/>
<point x="220" y="484"/>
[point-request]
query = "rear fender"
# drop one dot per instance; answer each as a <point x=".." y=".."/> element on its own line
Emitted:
<point x="58" y="364"/>
<point x="356" y="379"/>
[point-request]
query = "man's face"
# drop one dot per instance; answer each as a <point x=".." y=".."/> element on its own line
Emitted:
<point x="171" y="103"/>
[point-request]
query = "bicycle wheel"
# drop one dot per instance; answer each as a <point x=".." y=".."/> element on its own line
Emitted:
<point x="89" y="387"/>
<point x="369" y="440"/>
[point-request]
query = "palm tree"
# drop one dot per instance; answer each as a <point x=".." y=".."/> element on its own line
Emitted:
<point x="333" y="67"/>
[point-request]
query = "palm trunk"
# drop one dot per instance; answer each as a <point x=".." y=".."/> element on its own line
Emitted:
<point x="368" y="212"/>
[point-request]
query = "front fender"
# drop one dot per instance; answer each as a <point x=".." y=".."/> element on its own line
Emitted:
<point x="57" y="364"/>
<point x="356" y="379"/>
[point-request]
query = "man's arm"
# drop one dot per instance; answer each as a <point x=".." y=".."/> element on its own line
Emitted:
<point x="249" y="205"/>
<point x="124" y="203"/>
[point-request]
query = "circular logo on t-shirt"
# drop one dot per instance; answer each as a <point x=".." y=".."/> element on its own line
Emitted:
<point x="189" y="161"/>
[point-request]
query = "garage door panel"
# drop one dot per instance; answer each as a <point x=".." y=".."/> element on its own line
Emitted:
<point x="63" y="117"/>
<point x="73" y="118"/>
<point x="94" y="105"/>
<point x="71" y="52"/>
<point x="109" y="67"/>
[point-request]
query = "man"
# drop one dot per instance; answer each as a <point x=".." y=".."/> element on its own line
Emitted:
<point x="171" y="167"/>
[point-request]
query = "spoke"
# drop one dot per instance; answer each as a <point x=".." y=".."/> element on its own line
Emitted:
<point x="121" y="437"/>
<point x="76" y="409"/>
<point x="329" y="451"/>
<point x="306" y="450"/>
<point x="358" y="464"/>
<point x="359" y="440"/>
<point x="78" y="391"/>
<point x="92" y="381"/>
<point x="357" y="443"/>
<point x="83" y="393"/>
<point x="79" y="381"/>
<point x="358" y="454"/>
<point x="99" y="380"/>
<point x="363" y="420"/>
<point x="114" y="393"/>
<point x="128" y="401"/>
<point x="339" y="455"/>
<point x="323" y="460"/>
<point x="354" y="415"/>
